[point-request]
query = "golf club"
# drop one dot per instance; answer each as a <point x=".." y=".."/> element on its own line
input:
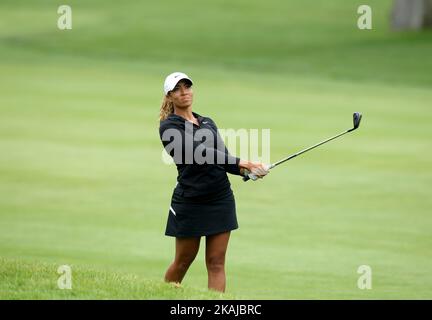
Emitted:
<point x="356" y="122"/>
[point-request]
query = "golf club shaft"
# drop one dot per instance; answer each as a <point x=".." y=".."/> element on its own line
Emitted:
<point x="356" y="122"/>
<point x="307" y="149"/>
<point x="247" y="177"/>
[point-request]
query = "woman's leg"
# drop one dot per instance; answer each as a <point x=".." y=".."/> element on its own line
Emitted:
<point x="216" y="246"/>
<point x="186" y="251"/>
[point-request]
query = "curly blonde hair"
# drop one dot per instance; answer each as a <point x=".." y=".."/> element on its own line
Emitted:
<point x="166" y="109"/>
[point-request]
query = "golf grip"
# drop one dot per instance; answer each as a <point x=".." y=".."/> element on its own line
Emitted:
<point x="248" y="176"/>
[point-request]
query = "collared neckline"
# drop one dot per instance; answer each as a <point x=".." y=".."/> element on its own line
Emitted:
<point x="177" y="117"/>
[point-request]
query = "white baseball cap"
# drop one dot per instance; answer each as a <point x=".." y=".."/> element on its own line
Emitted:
<point x="172" y="80"/>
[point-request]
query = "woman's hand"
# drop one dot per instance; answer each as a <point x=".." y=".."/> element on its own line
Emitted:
<point x="256" y="168"/>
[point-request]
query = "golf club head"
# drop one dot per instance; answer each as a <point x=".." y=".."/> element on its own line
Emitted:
<point x="356" y="119"/>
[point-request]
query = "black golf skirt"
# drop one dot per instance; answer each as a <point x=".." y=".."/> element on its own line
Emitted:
<point x="201" y="216"/>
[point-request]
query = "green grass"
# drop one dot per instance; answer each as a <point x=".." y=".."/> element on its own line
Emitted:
<point x="30" y="281"/>
<point x="82" y="181"/>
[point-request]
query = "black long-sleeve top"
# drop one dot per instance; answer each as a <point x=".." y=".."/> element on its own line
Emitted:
<point x="198" y="178"/>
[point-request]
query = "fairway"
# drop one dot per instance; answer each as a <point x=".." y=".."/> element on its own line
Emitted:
<point x="82" y="178"/>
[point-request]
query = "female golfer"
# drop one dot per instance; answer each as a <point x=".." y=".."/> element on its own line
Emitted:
<point x="202" y="202"/>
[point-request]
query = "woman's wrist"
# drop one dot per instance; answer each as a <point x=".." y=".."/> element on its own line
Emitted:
<point x="244" y="164"/>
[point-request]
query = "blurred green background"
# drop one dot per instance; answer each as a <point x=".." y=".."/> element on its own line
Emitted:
<point x="82" y="181"/>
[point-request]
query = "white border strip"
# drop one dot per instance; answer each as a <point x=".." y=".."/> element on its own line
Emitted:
<point x="173" y="211"/>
